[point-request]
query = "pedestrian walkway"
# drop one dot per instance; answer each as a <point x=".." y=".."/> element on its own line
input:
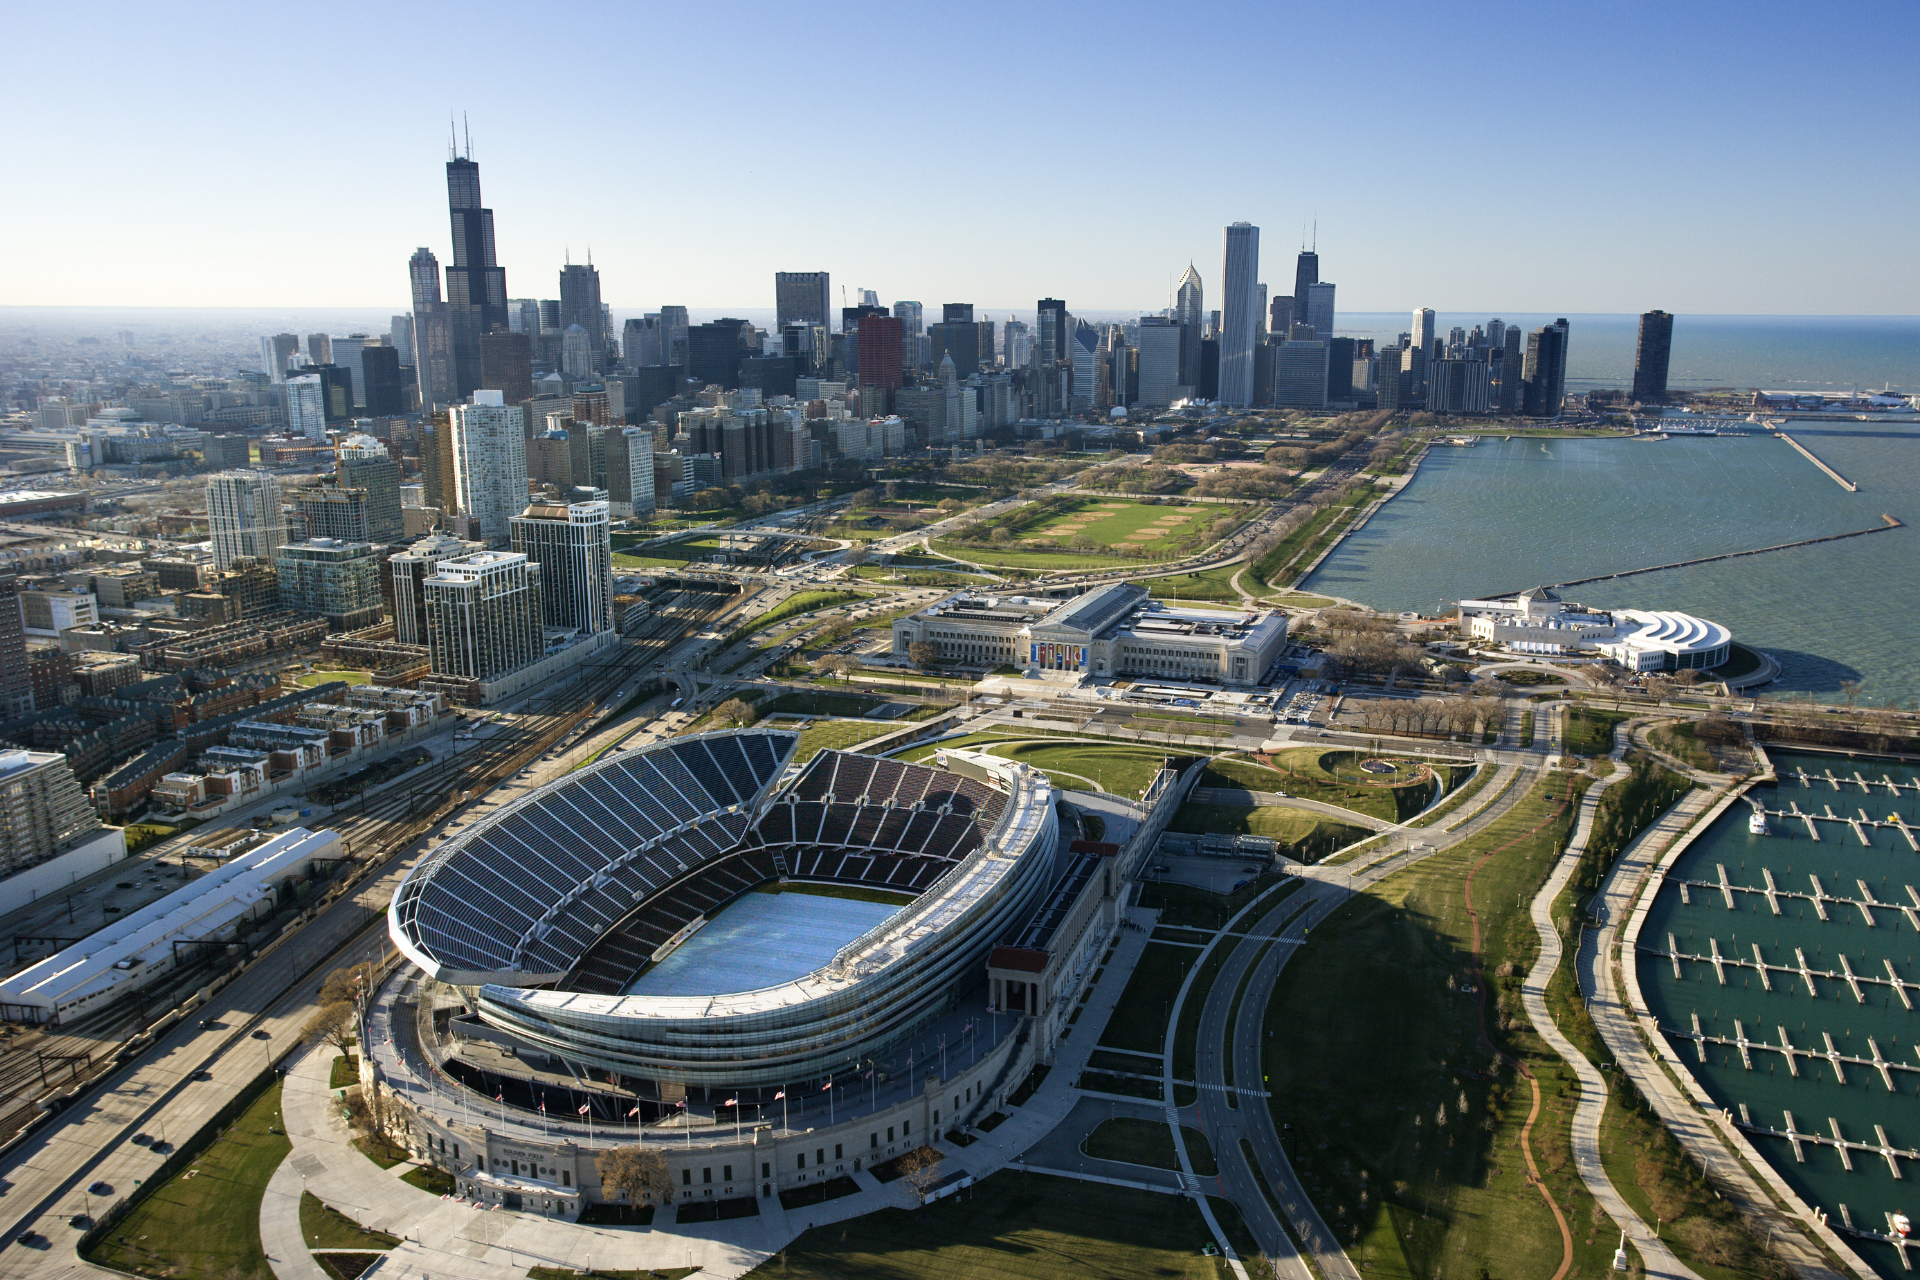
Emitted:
<point x="1658" y="1259"/>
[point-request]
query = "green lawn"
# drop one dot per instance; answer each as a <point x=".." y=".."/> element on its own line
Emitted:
<point x="204" y="1222"/>
<point x="792" y="607"/>
<point x="1679" y="740"/>
<point x="1590" y="729"/>
<point x="1395" y="998"/>
<point x="436" y="1181"/>
<point x="1302" y="835"/>
<point x="1139" y="1021"/>
<point x="837" y="735"/>
<point x="344" y="1073"/>
<point x="1124" y="771"/>
<point x="315" y="679"/>
<point x="1280" y="566"/>
<point x="324" y="1227"/>
<point x="1149" y="1142"/>
<point x="820" y="704"/>
<point x="1202" y="584"/>
<point x="1330" y="777"/>
<point x="1459" y="791"/>
<point x="1012" y="1226"/>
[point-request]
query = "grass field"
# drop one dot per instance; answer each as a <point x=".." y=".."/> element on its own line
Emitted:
<point x="1590" y="729"/>
<point x="1149" y="1142"/>
<point x="1302" y="835"/>
<point x="819" y="704"/>
<point x="1124" y="771"/>
<point x="1139" y="1021"/>
<point x="1313" y="773"/>
<point x="837" y="735"/>
<point x="204" y="1223"/>
<point x="1392" y="999"/>
<point x="1202" y="584"/>
<point x="324" y="1227"/>
<point x="1679" y="740"/>
<point x="344" y="1073"/>
<point x="1013" y="1226"/>
<point x="1280" y="566"/>
<point x="671" y="555"/>
<point x="1139" y="531"/>
<point x="314" y="679"/>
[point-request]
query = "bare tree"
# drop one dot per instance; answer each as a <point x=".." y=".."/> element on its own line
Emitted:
<point x="921" y="1168"/>
<point x="332" y="1024"/>
<point x="837" y="664"/>
<point x="639" y="1172"/>
<point x="734" y="712"/>
<point x="923" y="653"/>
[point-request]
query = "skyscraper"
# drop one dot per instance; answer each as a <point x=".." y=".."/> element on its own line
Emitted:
<point x="629" y="459"/>
<point x="1160" y="353"/>
<point x="570" y="543"/>
<point x="16" y="688"/>
<point x="1545" y="379"/>
<point x="1650" y="357"/>
<point x="243" y="516"/>
<point x="802" y="297"/>
<point x="386" y="392"/>
<point x="411" y="569"/>
<point x="319" y="348"/>
<point x="1239" y="286"/>
<point x="432" y="332"/>
<point x="1423" y="322"/>
<point x="1050" y="333"/>
<point x="364" y="464"/>
<point x="1306" y="274"/>
<point x="881" y="340"/>
<point x="346" y="354"/>
<point x="307" y="406"/>
<point x="275" y="352"/>
<point x="912" y="330"/>
<point x="580" y="305"/>
<point x="483" y="615"/>
<point x="1320" y="308"/>
<point x="400" y="338"/>
<point x="506" y="364"/>
<point x="476" y="284"/>
<point x="1189" y="312"/>
<point x="489" y="465"/>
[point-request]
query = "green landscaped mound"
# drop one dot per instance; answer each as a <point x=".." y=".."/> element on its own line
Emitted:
<point x="1336" y="777"/>
<point x="1298" y="834"/>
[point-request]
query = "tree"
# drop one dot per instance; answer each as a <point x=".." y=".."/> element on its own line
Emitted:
<point x="837" y="664"/>
<point x="637" y="1173"/>
<point x="923" y="653"/>
<point x="836" y="631"/>
<point x="347" y="984"/>
<point x="735" y="713"/>
<point x="921" y="1168"/>
<point x="332" y="1024"/>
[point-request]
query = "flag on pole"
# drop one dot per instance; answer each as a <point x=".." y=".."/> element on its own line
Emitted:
<point x="779" y="1095"/>
<point x="583" y="1107"/>
<point x="731" y="1102"/>
<point x="500" y="1096"/>
<point x="828" y="1085"/>
<point x="634" y="1112"/>
<point x="543" y="1104"/>
<point x="682" y="1104"/>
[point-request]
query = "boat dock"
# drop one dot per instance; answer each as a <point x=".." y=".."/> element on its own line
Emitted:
<point x="1801" y="969"/>
<point x="1819" y="897"/>
<point x="1807" y="453"/>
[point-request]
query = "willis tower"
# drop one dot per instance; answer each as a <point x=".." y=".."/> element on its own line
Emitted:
<point x="476" y="285"/>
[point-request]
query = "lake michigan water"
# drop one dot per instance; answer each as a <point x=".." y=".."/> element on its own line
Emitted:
<point x="1510" y="514"/>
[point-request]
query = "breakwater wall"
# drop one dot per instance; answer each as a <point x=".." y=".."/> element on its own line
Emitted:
<point x="1890" y="525"/>
<point x="1807" y="453"/>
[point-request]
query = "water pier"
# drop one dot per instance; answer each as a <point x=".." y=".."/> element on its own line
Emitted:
<point x="1801" y="969"/>
<point x="1819" y="898"/>
<point x="1807" y="453"/>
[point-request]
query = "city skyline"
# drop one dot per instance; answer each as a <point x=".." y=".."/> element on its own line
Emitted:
<point x="1634" y="127"/>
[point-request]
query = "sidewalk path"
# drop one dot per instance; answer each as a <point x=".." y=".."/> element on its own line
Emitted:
<point x="1658" y="1259"/>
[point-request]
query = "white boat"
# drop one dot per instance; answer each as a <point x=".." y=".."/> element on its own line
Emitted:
<point x="1900" y="1223"/>
<point x="1757" y="822"/>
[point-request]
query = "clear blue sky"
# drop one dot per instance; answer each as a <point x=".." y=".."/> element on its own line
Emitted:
<point x="1701" y="157"/>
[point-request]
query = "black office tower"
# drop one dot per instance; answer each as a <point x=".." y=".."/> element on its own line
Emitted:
<point x="1207" y="386"/>
<point x="386" y="392"/>
<point x="1544" y="383"/>
<point x="1306" y="271"/>
<point x="1050" y="340"/>
<point x="476" y="284"/>
<point x="506" y="366"/>
<point x="580" y="304"/>
<point x="1650" y="357"/>
<point x="714" y="352"/>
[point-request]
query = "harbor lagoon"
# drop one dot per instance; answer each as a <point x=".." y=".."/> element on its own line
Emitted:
<point x="1510" y="514"/>
<point x="1867" y="893"/>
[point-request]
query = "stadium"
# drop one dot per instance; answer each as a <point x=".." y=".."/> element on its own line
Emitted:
<point x="703" y="917"/>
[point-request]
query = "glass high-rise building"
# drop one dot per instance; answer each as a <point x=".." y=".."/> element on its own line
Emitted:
<point x="1306" y="274"/>
<point x="1545" y="381"/>
<point x="1240" y="290"/>
<point x="1320" y="308"/>
<point x="1650" y="357"/>
<point x="489" y="464"/>
<point x="580" y="305"/>
<point x="801" y="297"/>
<point x="432" y="332"/>
<point x="244" y="516"/>
<point x="1189" y="311"/>
<point x="476" y="283"/>
<point x="570" y="543"/>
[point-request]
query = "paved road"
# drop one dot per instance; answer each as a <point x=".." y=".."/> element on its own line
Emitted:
<point x="1658" y="1259"/>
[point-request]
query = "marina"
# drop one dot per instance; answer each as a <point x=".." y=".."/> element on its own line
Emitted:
<point x="1780" y="958"/>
